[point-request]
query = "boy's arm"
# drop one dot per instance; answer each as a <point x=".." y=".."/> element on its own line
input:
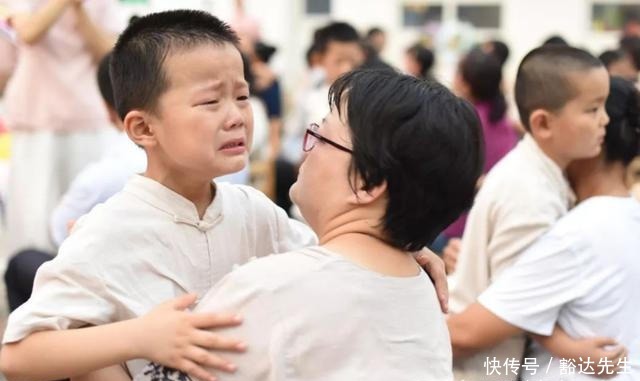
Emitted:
<point x="112" y="373"/>
<point x="62" y="354"/>
<point x="168" y="335"/>
<point x="31" y="27"/>
<point x="598" y="349"/>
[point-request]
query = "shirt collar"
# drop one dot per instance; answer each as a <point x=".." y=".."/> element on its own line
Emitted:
<point x="557" y="174"/>
<point x="182" y="210"/>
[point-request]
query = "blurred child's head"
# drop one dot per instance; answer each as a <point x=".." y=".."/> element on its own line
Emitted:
<point x="312" y="56"/>
<point x="479" y="78"/>
<point x="338" y="47"/>
<point x="264" y="52"/>
<point x="561" y="92"/>
<point x="377" y="39"/>
<point x="106" y="90"/>
<point x="419" y="61"/>
<point x="631" y="46"/>
<point x="619" y="63"/>
<point x="179" y="87"/>
<point x="498" y="48"/>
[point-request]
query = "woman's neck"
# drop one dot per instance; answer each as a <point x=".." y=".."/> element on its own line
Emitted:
<point x="361" y="242"/>
<point x="605" y="180"/>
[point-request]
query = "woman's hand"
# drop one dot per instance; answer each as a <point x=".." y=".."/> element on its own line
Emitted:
<point x="590" y="354"/>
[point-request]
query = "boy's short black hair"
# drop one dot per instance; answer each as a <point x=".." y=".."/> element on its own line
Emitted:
<point x="335" y="31"/>
<point x="425" y="142"/>
<point x="555" y="40"/>
<point x="104" y="81"/>
<point x="137" y="70"/>
<point x="622" y="140"/>
<point x="543" y="80"/>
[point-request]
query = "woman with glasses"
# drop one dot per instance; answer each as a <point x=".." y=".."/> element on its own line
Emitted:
<point x="391" y="165"/>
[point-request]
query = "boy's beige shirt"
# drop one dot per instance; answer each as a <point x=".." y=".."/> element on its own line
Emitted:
<point x="521" y="198"/>
<point x="146" y="245"/>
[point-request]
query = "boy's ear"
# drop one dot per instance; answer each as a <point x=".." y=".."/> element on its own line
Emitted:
<point x="136" y="125"/>
<point x="540" y="123"/>
<point x="361" y="196"/>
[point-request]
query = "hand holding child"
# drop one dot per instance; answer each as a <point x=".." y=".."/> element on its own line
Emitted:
<point x="589" y="353"/>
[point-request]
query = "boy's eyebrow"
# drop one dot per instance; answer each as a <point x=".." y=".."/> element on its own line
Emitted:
<point x="210" y="85"/>
<point x="599" y="99"/>
<point x="241" y="84"/>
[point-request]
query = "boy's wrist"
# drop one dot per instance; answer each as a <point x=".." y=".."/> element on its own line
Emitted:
<point x="135" y="331"/>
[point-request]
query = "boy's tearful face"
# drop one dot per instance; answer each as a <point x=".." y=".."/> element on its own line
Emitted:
<point x="579" y="127"/>
<point x="204" y="121"/>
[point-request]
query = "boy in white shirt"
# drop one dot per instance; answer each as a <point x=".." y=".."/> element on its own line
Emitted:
<point x="180" y="90"/>
<point x="560" y="93"/>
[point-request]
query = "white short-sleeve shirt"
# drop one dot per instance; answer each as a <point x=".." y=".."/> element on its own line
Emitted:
<point x="584" y="274"/>
<point x="146" y="245"/>
<point x="312" y="315"/>
<point x="521" y="198"/>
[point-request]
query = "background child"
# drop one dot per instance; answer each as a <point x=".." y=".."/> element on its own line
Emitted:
<point x="560" y="93"/>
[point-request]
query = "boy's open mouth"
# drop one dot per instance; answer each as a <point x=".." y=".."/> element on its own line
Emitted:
<point x="233" y="144"/>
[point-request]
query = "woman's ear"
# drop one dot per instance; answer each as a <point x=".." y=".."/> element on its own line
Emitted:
<point x="138" y="128"/>
<point x="540" y="123"/>
<point x="372" y="195"/>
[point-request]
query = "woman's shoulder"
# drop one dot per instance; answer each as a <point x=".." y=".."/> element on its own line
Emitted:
<point x="279" y="270"/>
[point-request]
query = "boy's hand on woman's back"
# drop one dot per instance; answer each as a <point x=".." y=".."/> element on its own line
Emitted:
<point x="175" y="337"/>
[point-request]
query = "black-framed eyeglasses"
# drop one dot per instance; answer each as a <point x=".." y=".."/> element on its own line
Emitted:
<point x="311" y="137"/>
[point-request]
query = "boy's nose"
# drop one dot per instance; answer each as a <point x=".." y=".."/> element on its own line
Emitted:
<point x="234" y="118"/>
<point x="606" y="119"/>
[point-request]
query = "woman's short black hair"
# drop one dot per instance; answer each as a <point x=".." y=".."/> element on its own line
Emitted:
<point x="622" y="140"/>
<point x="420" y="139"/>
